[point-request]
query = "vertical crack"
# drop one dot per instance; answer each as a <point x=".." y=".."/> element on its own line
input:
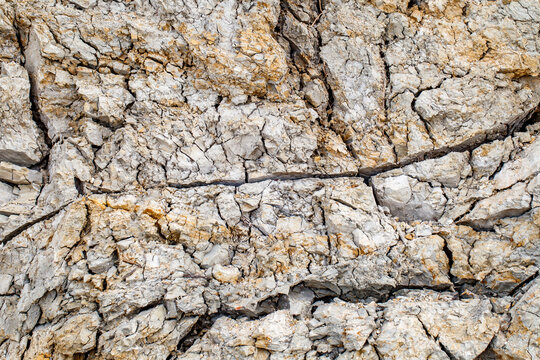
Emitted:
<point x="446" y="351"/>
<point x="449" y="255"/>
<point x="441" y="346"/>
<point x="33" y="96"/>
<point x="198" y="330"/>
<point x="33" y="91"/>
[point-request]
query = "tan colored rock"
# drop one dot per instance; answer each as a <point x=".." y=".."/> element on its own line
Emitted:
<point x="437" y="321"/>
<point x="424" y="261"/>
<point x="499" y="262"/>
<point x="78" y="334"/>
<point x="9" y="46"/>
<point x="14" y="174"/>
<point x="439" y="83"/>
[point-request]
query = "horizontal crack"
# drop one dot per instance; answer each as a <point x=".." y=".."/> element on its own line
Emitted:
<point x="235" y="184"/>
<point x="365" y="174"/>
<point x="468" y="145"/>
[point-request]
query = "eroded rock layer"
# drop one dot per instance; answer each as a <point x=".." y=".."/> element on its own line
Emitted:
<point x="321" y="179"/>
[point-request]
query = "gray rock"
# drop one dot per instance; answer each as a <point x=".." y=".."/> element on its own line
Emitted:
<point x="5" y="283"/>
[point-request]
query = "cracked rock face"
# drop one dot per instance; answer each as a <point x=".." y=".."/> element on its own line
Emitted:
<point x="289" y="179"/>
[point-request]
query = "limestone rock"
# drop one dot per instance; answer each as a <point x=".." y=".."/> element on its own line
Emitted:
<point x="78" y="334"/>
<point x="22" y="141"/>
<point x="338" y="179"/>
<point x="19" y="175"/>
<point x="522" y="168"/>
<point x="519" y="338"/>
<point x="343" y="324"/>
<point x="436" y="321"/>
<point x="512" y="202"/>
<point x="438" y="83"/>
<point x="409" y="198"/>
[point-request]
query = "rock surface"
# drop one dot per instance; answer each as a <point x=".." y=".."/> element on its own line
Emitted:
<point x="337" y="179"/>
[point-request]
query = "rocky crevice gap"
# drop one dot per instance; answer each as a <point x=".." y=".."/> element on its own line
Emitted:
<point x="27" y="225"/>
<point x="33" y="96"/>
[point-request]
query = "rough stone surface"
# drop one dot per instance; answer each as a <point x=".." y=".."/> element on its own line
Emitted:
<point x="321" y="179"/>
<point x="22" y="141"/>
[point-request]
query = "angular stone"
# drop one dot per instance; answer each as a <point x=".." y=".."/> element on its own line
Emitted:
<point x="19" y="175"/>
<point x="511" y="202"/>
<point x="78" y="334"/>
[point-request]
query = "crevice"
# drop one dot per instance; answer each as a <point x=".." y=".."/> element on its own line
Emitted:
<point x="27" y="345"/>
<point x="527" y="118"/>
<point x="445" y="350"/>
<point x="374" y="192"/>
<point x="449" y="255"/>
<point x="488" y="353"/>
<point x="528" y="121"/>
<point x="263" y="308"/>
<point x="79" y="185"/>
<point x="377" y="351"/>
<point x="380" y="295"/>
<point x="202" y="184"/>
<point x="137" y="311"/>
<point x="246" y="173"/>
<point x="424" y="327"/>
<point x="235" y="183"/>
<point x="19" y="39"/>
<point x="298" y="176"/>
<point x="437" y="288"/>
<point x="499" y="168"/>
<point x="197" y="331"/>
<point x="523" y="284"/>
<point x="387" y="98"/>
<point x="436" y="339"/>
<point x="27" y="225"/>
<point x="2" y="342"/>
<point x="33" y="93"/>
<point x="424" y="122"/>
<point x="414" y="2"/>
<point x="344" y="203"/>
<point x="133" y="94"/>
<point x="33" y="96"/>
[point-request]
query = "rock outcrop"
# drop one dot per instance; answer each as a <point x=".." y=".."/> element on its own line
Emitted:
<point x="322" y="179"/>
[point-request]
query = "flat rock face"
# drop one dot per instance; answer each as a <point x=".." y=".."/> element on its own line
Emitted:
<point x="269" y="179"/>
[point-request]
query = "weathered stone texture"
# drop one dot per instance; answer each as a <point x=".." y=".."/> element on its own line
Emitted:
<point x="322" y="179"/>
